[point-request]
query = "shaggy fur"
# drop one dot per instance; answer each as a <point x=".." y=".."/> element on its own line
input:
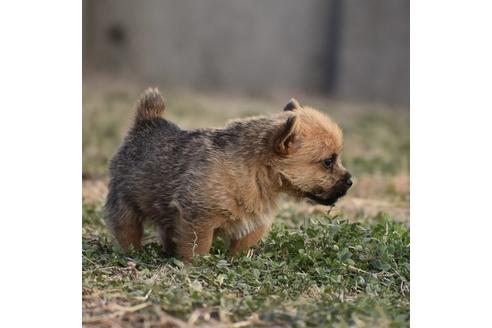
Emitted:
<point x="191" y="184"/>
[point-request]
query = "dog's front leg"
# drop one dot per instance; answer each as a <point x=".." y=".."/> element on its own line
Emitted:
<point x="252" y="238"/>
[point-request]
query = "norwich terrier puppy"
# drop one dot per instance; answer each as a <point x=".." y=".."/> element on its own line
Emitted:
<point x="192" y="184"/>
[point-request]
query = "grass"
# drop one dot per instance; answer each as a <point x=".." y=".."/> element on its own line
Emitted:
<point x="349" y="268"/>
<point x="324" y="271"/>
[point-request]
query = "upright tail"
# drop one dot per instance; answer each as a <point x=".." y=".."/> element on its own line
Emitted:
<point x="150" y="105"/>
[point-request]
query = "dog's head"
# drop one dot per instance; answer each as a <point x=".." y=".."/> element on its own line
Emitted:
<point x="307" y="148"/>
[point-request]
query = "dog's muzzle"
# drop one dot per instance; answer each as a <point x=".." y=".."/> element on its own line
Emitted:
<point x="331" y="196"/>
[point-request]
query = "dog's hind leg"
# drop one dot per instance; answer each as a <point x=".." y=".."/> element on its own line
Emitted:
<point x="125" y="224"/>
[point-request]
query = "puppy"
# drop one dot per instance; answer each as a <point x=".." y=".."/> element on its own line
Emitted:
<point x="191" y="184"/>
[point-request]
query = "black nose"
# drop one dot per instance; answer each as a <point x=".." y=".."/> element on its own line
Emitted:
<point x="348" y="180"/>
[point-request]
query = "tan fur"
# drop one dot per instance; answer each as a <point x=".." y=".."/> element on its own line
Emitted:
<point x="251" y="193"/>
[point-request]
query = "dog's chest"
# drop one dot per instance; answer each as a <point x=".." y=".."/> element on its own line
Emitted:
<point x="243" y="219"/>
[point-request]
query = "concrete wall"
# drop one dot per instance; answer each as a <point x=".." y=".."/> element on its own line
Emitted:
<point x="375" y="51"/>
<point x="347" y="48"/>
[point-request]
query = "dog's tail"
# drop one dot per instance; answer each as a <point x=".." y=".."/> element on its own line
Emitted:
<point x="150" y="105"/>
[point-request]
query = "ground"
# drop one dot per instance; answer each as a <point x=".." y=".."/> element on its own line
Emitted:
<point x="345" y="266"/>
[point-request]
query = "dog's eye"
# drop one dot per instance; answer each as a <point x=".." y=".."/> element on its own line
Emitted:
<point x="327" y="163"/>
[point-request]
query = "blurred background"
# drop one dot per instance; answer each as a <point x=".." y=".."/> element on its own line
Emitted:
<point x="215" y="60"/>
<point x="345" y="48"/>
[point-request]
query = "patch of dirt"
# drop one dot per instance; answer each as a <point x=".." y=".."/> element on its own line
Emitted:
<point x="111" y="309"/>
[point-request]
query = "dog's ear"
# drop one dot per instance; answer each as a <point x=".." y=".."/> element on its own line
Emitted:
<point x="292" y="105"/>
<point x="284" y="136"/>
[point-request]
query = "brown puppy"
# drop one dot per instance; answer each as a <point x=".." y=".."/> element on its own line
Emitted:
<point x="191" y="184"/>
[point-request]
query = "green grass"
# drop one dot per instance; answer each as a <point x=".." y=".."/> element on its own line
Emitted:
<point x="321" y="272"/>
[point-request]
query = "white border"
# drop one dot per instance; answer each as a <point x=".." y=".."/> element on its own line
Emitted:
<point x="451" y="70"/>
<point x="40" y="174"/>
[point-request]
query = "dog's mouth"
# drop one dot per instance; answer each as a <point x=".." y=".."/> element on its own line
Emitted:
<point x="329" y="197"/>
<point x="319" y="195"/>
<point x="328" y="201"/>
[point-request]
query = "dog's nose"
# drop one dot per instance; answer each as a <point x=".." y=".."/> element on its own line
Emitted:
<point x="348" y="180"/>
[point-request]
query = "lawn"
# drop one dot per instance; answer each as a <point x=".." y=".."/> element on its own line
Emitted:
<point x="348" y="267"/>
